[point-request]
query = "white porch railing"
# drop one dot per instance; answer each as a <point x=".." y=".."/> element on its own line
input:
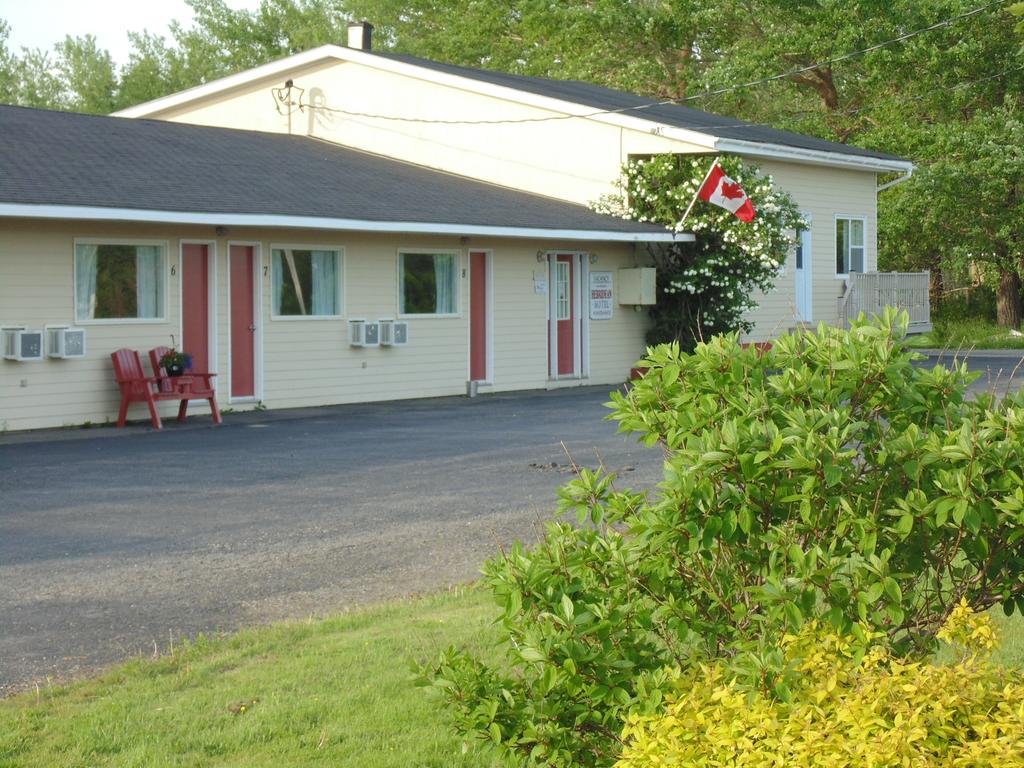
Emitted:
<point x="871" y="292"/>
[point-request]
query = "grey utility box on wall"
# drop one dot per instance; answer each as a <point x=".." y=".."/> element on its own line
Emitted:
<point x="637" y="286"/>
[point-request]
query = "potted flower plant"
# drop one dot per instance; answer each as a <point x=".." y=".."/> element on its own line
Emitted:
<point x="175" y="362"/>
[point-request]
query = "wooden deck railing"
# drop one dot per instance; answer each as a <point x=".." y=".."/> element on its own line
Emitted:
<point x="871" y="292"/>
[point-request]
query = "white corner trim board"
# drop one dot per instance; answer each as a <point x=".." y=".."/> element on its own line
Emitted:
<point x="89" y="213"/>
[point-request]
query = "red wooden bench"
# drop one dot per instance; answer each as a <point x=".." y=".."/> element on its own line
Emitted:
<point x="137" y="387"/>
<point x="198" y="384"/>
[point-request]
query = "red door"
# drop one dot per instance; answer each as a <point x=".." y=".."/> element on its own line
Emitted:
<point x="243" y="322"/>
<point x="478" y="316"/>
<point x="195" y="304"/>
<point x="565" y="314"/>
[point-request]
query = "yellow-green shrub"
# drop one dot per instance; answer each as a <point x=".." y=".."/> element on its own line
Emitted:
<point x="847" y="709"/>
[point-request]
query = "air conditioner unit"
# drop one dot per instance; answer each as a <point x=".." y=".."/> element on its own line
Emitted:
<point x="22" y="344"/>
<point x="363" y="334"/>
<point x="393" y="333"/>
<point x="64" y="342"/>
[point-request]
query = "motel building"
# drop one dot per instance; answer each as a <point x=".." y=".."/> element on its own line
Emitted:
<point x="346" y="225"/>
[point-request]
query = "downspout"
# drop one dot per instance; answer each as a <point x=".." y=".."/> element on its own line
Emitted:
<point x="897" y="180"/>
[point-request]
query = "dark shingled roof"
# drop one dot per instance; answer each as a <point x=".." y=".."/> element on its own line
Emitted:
<point x="63" y="158"/>
<point x="678" y="116"/>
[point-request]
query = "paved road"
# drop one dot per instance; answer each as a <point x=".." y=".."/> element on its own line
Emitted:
<point x="110" y="544"/>
<point x="114" y="542"/>
<point x="1001" y="370"/>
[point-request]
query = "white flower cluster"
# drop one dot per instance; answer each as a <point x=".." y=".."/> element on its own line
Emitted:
<point x="731" y="258"/>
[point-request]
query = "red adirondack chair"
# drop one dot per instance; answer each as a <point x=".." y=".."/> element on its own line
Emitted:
<point x="137" y="387"/>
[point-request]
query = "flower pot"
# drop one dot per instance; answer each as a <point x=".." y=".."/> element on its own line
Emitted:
<point x="637" y="373"/>
<point x="174" y="369"/>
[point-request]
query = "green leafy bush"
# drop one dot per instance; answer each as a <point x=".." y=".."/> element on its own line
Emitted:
<point x="849" y="709"/>
<point x="826" y="479"/>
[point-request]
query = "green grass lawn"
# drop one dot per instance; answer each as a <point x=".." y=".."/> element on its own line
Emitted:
<point x="336" y="692"/>
<point x="966" y="334"/>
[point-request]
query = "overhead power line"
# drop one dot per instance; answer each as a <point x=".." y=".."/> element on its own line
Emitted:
<point x="302" y="105"/>
<point x="852" y="54"/>
<point x="918" y="97"/>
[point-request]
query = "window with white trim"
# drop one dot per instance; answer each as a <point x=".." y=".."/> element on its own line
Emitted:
<point x="428" y="283"/>
<point x="116" y="281"/>
<point x="306" y="282"/>
<point x="849" y="245"/>
<point x="563" y="302"/>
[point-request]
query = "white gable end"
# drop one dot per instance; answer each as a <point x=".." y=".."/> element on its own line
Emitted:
<point x="532" y="145"/>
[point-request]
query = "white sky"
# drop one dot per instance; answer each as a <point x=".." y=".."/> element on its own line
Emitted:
<point x="42" y="23"/>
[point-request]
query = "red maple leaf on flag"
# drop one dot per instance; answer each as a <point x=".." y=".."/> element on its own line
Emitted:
<point x="718" y="189"/>
<point x="732" y="190"/>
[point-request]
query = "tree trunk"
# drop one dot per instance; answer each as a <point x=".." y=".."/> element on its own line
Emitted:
<point x="936" y="285"/>
<point x="936" y="280"/>
<point x="1008" y="299"/>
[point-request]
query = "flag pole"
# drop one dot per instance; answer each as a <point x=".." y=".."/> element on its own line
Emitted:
<point x="697" y="193"/>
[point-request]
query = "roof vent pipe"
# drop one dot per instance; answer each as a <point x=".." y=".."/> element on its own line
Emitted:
<point x="359" y="35"/>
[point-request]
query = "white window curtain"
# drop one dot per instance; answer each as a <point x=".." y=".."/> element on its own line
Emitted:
<point x="444" y="280"/>
<point x="401" y="285"/>
<point x="277" y="276"/>
<point x="849" y="246"/>
<point x="86" y="263"/>
<point x="149" y="297"/>
<point x="856" y="245"/>
<point x="325" y="282"/>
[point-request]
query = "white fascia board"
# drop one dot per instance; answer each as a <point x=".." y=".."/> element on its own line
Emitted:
<point x="706" y="140"/>
<point x="148" y="108"/>
<point x="90" y="213"/>
<point x="810" y="156"/>
<point x="406" y="69"/>
<point x="509" y="93"/>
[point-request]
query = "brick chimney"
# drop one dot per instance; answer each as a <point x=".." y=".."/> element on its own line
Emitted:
<point x="359" y="35"/>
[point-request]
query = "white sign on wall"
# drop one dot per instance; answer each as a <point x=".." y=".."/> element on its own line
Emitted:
<point x="601" y="296"/>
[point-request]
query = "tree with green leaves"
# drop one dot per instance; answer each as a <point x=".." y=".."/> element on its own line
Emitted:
<point x="647" y="46"/>
<point x="706" y="287"/>
<point x="906" y="98"/>
<point x="36" y="81"/>
<point x="88" y="74"/>
<point x="8" y="91"/>
<point x="78" y="75"/>
<point x="968" y="202"/>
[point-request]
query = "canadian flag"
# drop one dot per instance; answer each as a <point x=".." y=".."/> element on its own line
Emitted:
<point x="718" y="189"/>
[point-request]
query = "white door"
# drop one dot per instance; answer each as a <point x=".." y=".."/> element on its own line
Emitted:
<point x="803" y="275"/>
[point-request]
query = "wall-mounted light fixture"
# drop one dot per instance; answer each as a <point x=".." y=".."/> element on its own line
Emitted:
<point x="540" y="257"/>
<point x="593" y="258"/>
<point x="221" y="231"/>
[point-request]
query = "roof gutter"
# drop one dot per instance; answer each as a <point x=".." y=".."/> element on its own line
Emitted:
<point x="812" y="156"/>
<point x="898" y="180"/>
<point x="91" y="213"/>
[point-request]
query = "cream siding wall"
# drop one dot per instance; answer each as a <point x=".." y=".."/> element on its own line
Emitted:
<point x="571" y="159"/>
<point x="824" y="193"/>
<point x="305" y="362"/>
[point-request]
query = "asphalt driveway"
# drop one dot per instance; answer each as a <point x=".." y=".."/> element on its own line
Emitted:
<point x="113" y="544"/>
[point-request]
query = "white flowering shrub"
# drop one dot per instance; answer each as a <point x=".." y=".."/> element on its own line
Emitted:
<point x="706" y="287"/>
